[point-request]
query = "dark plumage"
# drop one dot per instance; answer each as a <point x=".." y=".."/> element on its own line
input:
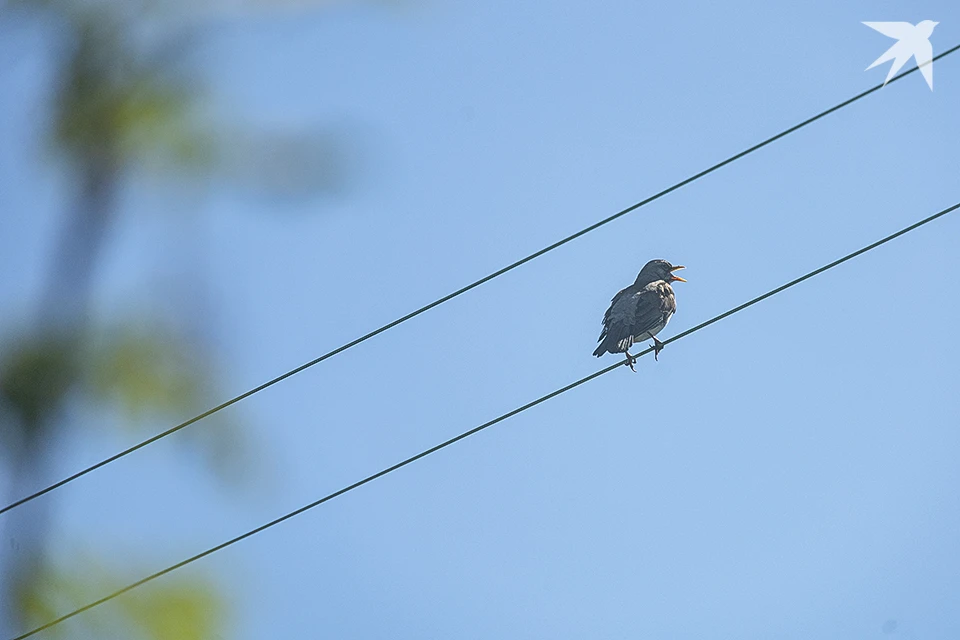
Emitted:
<point x="640" y="311"/>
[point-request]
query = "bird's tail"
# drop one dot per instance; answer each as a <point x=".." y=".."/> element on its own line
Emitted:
<point x="602" y="349"/>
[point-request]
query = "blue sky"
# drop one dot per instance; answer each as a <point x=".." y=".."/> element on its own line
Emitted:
<point x="790" y="472"/>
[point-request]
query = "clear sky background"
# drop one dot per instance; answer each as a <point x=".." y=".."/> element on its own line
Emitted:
<point x="791" y="472"/>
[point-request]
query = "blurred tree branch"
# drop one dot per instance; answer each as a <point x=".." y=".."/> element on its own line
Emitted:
<point x="119" y="107"/>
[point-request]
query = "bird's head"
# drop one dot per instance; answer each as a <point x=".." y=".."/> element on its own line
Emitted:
<point x="926" y="27"/>
<point x="659" y="270"/>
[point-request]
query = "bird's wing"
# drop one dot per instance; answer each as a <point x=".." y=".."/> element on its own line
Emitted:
<point x="898" y="30"/>
<point x="652" y="306"/>
<point x="617" y="318"/>
<point x="924" y="56"/>
<point x="615" y="312"/>
<point x="619" y="313"/>
<point x="615" y="302"/>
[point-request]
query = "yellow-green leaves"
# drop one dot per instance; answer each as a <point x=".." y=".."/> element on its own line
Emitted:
<point x="176" y="608"/>
<point x="145" y="370"/>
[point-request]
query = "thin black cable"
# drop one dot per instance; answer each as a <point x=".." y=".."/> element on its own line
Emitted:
<point x="459" y="292"/>
<point x="483" y="426"/>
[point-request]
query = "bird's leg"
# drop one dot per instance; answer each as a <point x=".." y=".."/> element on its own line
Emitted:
<point x="657" y="347"/>
<point x="631" y="360"/>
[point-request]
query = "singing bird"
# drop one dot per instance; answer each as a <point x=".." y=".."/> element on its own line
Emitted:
<point x="640" y="311"/>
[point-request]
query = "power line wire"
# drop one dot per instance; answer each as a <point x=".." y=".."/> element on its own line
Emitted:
<point x="458" y="292"/>
<point x="480" y="428"/>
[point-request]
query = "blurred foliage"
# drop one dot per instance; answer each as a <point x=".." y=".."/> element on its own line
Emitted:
<point x="35" y="375"/>
<point x="145" y="370"/>
<point x="173" y="609"/>
<point x="118" y="106"/>
<point x="150" y="371"/>
<point x="183" y="610"/>
<point x="289" y="164"/>
<point x="123" y="102"/>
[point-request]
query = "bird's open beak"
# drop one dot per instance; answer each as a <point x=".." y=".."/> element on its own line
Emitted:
<point x="674" y="278"/>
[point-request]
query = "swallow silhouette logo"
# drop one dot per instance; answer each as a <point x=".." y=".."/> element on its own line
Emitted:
<point x="912" y="42"/>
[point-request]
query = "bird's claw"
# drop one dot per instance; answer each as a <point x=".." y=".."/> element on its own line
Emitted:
<point x="631" y="360"/>
<point x="657" y="348"/>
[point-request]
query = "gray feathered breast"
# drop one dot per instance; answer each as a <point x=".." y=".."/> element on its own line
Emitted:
<point x="636" y="314"/>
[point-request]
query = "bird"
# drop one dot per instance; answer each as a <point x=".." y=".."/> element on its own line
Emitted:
<point x="640" y="311"/>
<point x="912" y="42"/>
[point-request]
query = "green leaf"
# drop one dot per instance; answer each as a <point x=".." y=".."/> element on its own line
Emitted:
<point x="180" y="611"/>
<point x="117" y="105"/>
<point x="147" y="370"/>
<point x="152" y="373"/>
<point x="35" y="375"/>
<point x="172" y="608"/>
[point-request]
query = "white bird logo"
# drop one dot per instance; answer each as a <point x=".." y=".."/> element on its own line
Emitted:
<point x="912" y="42"/>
